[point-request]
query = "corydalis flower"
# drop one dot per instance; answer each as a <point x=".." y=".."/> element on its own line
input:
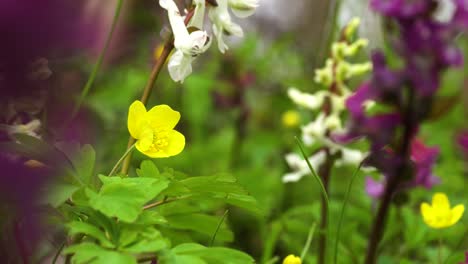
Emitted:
<point x="154" y="130"/>
<point x="439" y="214"/>
<point x="423" y="159"/>
<point x="188" y="45"/>
<point x="222" y="24"/>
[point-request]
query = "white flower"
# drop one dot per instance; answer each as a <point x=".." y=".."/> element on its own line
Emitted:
<point x="310" y="101"/>
<point x="198" y="15"/>
<point x="187" y="45"/>
<point x="243" y="8"/>
<point x="300" y="167"/>
<point x="222" y="24"/>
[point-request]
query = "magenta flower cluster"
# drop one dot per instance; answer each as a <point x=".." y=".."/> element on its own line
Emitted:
<point x="425" y="48"/>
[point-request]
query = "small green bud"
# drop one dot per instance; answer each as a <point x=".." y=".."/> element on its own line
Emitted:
<point x="351" y="28"/>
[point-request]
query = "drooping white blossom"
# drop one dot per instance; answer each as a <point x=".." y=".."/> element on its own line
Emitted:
<point x="187" y="45"/>
<point x="223" y="24"/>
<point x="243" y="8"/>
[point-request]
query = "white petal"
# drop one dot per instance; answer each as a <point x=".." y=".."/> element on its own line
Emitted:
<point x="243" y="8"/>
<point x="293" y="176"/>
<point x="180" y="66"/>
<point x="310" y="101"/>
<point x="199" y="14"/>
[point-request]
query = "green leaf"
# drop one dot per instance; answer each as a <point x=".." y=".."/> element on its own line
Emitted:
<point x="92" y="253"/>
<point x="77" y="227"/>
<point x="201" y="223"/>
<point x="56" y="194"/>
<point x="148" y="169"/>
<point x="169" y="257"/>
<point x="214" y="255"/>
<point x="151" y="217"/>
<point x="84" y="162"/>
<point x="124" y="198"/>
<point x="223" y="187"/>
<point x="143" y="240"/>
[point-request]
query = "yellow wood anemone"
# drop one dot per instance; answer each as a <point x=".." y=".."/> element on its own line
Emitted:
<point x="439" y="214"/>
<point x="154" y="130"/>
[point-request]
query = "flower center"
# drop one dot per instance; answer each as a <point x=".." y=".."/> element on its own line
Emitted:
<point x="160" y="140"/>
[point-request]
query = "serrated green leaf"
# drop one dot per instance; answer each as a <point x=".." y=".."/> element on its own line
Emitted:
<point x="92" y="253"/>
<point x="77" y="227"/>
<point x="201" y="223"/>
<point x="124" y="198"/>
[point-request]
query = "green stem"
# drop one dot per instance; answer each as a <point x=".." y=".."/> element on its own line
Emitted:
<point x="348" y="191"/>
<point x="116" y="166"/>
<point x="440" y="250"/>
<point x="308" y="241"/>
<point x="218" y="227"/>
<point x="54" y="260"/>
<point x="98" y="64"/>
<point x="168" y="47"/>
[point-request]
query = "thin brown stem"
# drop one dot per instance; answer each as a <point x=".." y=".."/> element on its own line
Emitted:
<point x="168" y="47"/>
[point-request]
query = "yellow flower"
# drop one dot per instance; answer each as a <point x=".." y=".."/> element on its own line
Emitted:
<point x="291" y="259"/>
<point x="154" y="130"/>
<point x="291" y="118"/>
<point x="439" y="214"/>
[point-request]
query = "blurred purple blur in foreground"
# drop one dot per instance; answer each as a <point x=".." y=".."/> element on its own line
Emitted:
<point x="462" y="141"/>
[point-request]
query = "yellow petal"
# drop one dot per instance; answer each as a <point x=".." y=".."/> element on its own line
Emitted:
<point x="145" y="141"/>
<point x="136" y="119"/>
<point x="428" y="215"/>
<point x="457" y="213"/>
<point x="176" y="143"/>
<point x="162" y="116"/>
<point x="291" y="259"/>
<point x="440" y="202"/>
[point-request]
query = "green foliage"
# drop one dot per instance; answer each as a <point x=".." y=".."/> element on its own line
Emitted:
<point x="126" y="218"/>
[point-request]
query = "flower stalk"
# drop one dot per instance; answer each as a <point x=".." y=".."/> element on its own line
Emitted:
<point x="168" y="47"/>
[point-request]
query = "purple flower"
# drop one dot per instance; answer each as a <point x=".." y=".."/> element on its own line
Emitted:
<point x="20" y="226"/>
<point x="401" y="8"/>
<point x="374" y="188"/>
<point x="462" y="140"/>
<point x="460" y="18"/>
<point x="423" y="159"/>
